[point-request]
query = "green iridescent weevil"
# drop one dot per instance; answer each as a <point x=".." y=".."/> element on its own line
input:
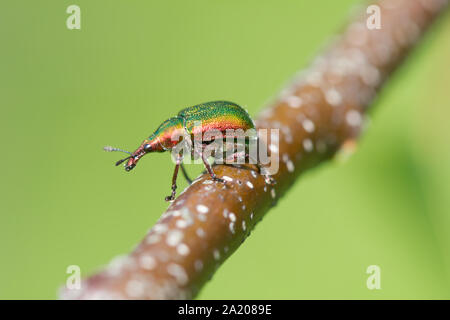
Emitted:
<point x="193" y="122"/>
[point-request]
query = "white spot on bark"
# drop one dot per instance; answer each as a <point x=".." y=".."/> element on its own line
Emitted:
<point x="135" y="288"/>
<point x="147" y="262"/>
<point x="154" y="238"/>
<point x="198" y="265"/>
<point x="290" y="166"/>
<point x="294" y="101"/>
<point x="160" y="228"/>
<point x="353" y="118"/>
<point x="333" y="97"/>
<point x="200" y="232"/>
<point x="202" y="208"/>
<point x="308" y="145"/>
<point x="178" y="273"/>
<point x="183" y="249"/>
<point x="174" y="237"/>
<point x="308" y="125"/>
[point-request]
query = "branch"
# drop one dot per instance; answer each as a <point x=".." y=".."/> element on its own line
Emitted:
<point x="317" y="114"/>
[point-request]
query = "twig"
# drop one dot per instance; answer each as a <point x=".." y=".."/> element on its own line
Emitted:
<point x="317" y="114"/>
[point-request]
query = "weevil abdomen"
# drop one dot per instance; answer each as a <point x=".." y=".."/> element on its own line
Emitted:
<point x="215" y="115"/>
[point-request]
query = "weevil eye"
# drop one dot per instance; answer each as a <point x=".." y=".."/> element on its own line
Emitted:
<point x="147" y="148"/>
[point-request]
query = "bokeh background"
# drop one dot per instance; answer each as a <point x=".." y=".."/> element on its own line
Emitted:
<point x="66" y="93"/>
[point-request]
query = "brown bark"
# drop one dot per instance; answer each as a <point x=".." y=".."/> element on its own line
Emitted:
<point x="322" y="110"/>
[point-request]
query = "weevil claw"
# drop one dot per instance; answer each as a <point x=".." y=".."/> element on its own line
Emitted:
<point x="170" y="198"/>
<point x="270" y="180"/>
<point x="219" y="180"/>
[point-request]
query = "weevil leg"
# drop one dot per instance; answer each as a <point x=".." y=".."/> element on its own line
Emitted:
<point x="248" y="157"/>
<point x="174" y="179"/>
<point x="185" y="174"/>
<point x="267" y="178"/>
<point x="210" y="170"/>
<point x="239" y="155"/>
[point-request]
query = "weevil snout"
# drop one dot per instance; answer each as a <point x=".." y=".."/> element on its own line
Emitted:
<point x="134" y="157"/>
<point x="130" y="164"/>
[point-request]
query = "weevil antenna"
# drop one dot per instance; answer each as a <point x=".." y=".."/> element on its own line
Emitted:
<point x="111" y="149"/>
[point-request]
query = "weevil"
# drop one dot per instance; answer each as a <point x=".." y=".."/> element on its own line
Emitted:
<point x="193" y="122"/>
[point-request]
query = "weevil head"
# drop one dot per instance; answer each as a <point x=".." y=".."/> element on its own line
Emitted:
<point x="147" y="146"/>
<point x="163" y="139"/>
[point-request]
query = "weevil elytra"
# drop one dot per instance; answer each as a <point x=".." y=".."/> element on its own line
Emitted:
<point x="193" y="122"/>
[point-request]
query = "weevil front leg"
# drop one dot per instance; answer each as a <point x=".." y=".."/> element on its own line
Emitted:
<point x="267" y="177"/>
<point x="263" y="171"/>
<point x="174" y="179"/>
<point x="210" y="170"/>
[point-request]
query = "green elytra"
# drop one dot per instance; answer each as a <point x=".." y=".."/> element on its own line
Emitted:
<point x="215" y="115"/>
<point x="219" y="115"/>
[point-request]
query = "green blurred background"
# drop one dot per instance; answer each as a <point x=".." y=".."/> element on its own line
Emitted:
<point x="66" y="93"/>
